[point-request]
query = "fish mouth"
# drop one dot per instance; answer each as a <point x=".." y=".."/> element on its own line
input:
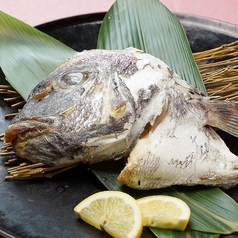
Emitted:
<point x="25" y="129"/>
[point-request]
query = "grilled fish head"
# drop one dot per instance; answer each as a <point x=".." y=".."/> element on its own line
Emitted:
<point x="78" y="112"/>
<point x="101" y="105"/>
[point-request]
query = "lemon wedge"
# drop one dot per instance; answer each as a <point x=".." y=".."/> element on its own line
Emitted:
<point x="115" y="212"/>
<point x="164" y="212"/>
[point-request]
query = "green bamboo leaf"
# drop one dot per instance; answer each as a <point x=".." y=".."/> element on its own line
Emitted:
<point x="162" y="233"/>
<point x="28" y="55"/>
<point x="148" y="25"/>
<point x="219" y="211"/>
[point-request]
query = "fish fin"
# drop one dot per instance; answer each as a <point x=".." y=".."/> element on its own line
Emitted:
<point x="223" y="115"/>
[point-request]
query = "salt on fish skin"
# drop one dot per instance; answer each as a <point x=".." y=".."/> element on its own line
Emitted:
<point x="100" y="105"/>
<point x="180" y="149"/>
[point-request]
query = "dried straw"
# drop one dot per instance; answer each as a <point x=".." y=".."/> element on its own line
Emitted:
<point x="28" y="170"/>
<point x="219" y="70"/>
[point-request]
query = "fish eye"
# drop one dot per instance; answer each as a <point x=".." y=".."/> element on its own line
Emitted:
<point x="72" y="79"/>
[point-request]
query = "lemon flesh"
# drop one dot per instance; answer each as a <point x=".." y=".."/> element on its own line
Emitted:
<point x="164" y="212"/>
<point x="115" y="212"/>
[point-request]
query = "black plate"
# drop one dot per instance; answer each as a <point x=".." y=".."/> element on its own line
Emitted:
<point x="44" y="208"/>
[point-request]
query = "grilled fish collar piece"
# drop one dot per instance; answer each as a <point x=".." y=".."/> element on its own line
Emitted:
<point x="181" y="148"/>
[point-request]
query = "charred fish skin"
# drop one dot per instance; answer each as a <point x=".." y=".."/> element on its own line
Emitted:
<point x="100" y="105"/>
